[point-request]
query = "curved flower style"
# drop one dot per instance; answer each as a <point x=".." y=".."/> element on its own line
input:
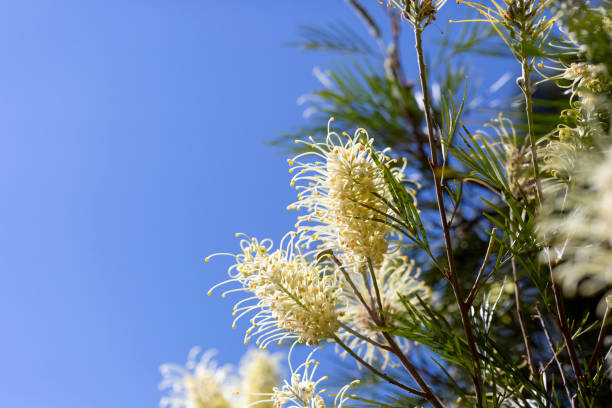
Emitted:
<point x="585" y="81"/>
<point x="200" y="384"/>
<point x="584" y="75"/>
<point x="344" y="194"/>
<point x="397" y="279"/>
<point x="301" y="391"/>
<point x="259" y="374"/>
<point x="293" y="298"/>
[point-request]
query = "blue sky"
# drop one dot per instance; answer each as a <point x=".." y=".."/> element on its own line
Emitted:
<point x="132" y="146"/>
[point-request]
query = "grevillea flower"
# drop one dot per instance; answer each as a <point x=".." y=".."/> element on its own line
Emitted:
<point x="301" y="391"/>
<point x="397" y="277"/>
<point x="199" y="384"/>
<point x="579" y="224"/>
<point x="259" y="374"/>
<point x="344" y="191"/>
<point x="583" y="75"/>
<point x="291" y="297"/>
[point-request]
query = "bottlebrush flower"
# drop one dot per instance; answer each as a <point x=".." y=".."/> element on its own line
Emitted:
<point x="200" y="384"/>
<point x="259" y="374"/>
<point x="292" y="297"/>
<point x="301" y="391"/>
<point x="397" y="277"/>
<point x="343" y="192"/>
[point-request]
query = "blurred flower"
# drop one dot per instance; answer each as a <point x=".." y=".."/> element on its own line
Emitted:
<point x="584" y="75"/>
<point x="200" y="384"/>
<point x="579" y="224"/>
<point x="259" y="374"/>
<point x="344" y="194"/>
<point x="292" y="296"/>
<point x="397" y="278"/>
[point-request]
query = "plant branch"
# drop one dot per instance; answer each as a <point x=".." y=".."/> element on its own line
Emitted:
<point x="364" y="338"/>
<point x="519" y="312"/>
<point x="377" y="291"/>
<point x="470" y="298"/>
<point x="600" y="337"/>
<point x="427" y="392"/>
<point x="353" y="287"/>
<point x="451" y="273"/>
<point x="552" y="348"/>
<point x="376" y="371"/>
<point x="526" y="66"/>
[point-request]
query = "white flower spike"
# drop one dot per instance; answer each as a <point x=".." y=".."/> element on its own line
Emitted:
<point x="259" y="374"/>
<point x="199" y="384"/>
<point x="290" y="296"/>
<point x="301" y="391"/>
<point x="343" y="192"/>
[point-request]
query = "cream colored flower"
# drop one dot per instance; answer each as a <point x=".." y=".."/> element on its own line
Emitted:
<point x="397" y="277"/>
<point x="344" y="191"/>
<point x="199" y="384"/>
<point x="259" y="374"/>
<point x="302" y="390"/>
<point x="291" y="296"/>
<point x="579" y="225"/>
<point x="603" y="182"/>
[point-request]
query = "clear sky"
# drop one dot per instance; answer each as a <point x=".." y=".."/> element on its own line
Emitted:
<point x="132" y="146"/>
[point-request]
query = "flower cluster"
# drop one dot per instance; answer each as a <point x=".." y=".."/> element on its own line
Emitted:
<point x="293" y="297"/>
<point x="345" y="196"/>
<point x="259" y="374"/>
<point x="200" y="384"/>
<point x="583" y="75"/>
<point x="397" y="278"/>
<point x="301" y="391"/>
<point x="580" y="224"/>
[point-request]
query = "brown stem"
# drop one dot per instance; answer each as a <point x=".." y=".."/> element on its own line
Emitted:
<point x="427" y="392"/>
<point x="561" y="316"/>
<point x="600" y="337"/>
<point x="451" y="273"/>
<point x="552" y="348"/>
<point x="376" y="371"/>
<point x="364" y="338"/>
<point x="470" y="298"/>
<point x="519" y="312"/>
<point x="431" y="396"/>
<point x="353" y="287"/>
<point x="567" y="336"/>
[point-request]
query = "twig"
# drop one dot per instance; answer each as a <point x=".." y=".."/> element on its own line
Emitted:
<point x="552" y="347"/>
<point x="562" y="318"/>
<point x="519" y="312"/>
<point x="378" y="297"/>
<point x="427" y="392"/>
<point x="565" y="332"/>
<point x="451" y="273"/>
<point x="376" y="371"/>
<point x="600" y="338"/>
<point x="353" y="287"/>
<point x="364" y="338"/>
<point x="470" y="298"/>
